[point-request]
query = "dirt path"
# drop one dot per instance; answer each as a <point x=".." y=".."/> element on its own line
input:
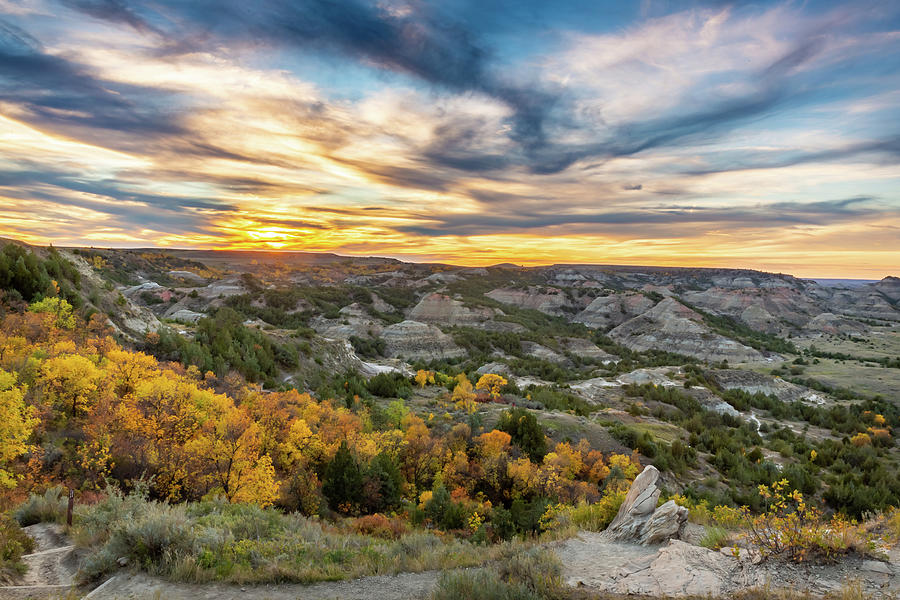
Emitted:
<point x="51" y="567"/>
<point x="406" y="586"/>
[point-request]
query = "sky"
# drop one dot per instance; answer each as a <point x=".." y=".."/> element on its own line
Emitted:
<point x="756" y="135"/>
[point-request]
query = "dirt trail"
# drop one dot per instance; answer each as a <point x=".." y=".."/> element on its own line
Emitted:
<point x="51" y="567"/>
<point x="405" y="586"/>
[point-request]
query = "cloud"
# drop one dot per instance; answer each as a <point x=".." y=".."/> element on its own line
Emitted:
<point x="209" y="119"/>
<point x="116" y="11"/>
<point x="415" y="40"/>
<point x="54" y="90"/>
<point x="770" y="216"/>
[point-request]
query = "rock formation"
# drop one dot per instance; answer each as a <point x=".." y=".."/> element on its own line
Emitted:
<point x="608" y="311"/>
<point x="418" y="341"/>
<point x="583" y="348"/>
<point x="674" y="327"/>
<point x="535" y="350"/>
<point x="550" y="301"/>
<point x="640" y="520"/>
<point x="444" y="310"/>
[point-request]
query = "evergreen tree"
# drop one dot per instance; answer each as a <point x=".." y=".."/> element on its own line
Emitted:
<point x="525" y="431"/>
<point x="342" y="481"/>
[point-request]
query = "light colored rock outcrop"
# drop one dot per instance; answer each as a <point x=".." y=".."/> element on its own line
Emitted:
<point x="758" y="383"/>
<point x="551" y="301"/>
<point x="608" y="311"/>
<point x="676" y="328"/>
<point x="412" y="340"/>
<point x="835" y="325"/>
<point x="185" y="315"/>
<point x="583" y="348"/>
<point x="444" y="310"/>
<point x="535" y="350"/>
<point x="497" y="368"/>
<point x="353" y="321"/>
<point x="640" y="520"/>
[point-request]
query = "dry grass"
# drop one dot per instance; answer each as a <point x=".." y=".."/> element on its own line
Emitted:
<point x="217" y="541"/>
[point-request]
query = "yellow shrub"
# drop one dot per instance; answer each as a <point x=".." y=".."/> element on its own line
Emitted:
<point x="597" y="516"/>
<point x="792" y="528"/>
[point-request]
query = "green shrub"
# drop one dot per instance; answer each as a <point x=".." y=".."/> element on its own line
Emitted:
<point x="480" y="584"/>
<point x="390" y="385"/>
<point x="14" y="543"/>
<point x="714" y="538"/>
<point x="342" y="481"/>
<point x="49" y="507"/>
<point x="525" y="431"/>
<point x="156" y="540"/>
<point x="521" y="575"/>
<point x="240" y="543"/>
<point x="443" y="511"/>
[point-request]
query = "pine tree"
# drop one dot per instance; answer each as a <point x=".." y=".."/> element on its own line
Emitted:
<point x="342" y="483"/>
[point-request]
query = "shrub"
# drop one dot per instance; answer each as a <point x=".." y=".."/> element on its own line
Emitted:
<point x="342" y="482"/>
<point x="390" y="385"/>
<point x="519" y="575"/>
<point x="443" y="512"/>
<point x="480" y="584"/>
<point x="525" y="431"/>
<point x="156" y="541"/>
<point x="49" y="507"/>
<point x="714" y="538"/>
<point x="13" y="544"/>
<point x="380" y="526"/>
<point x="893" y="524"/>
<point x="597" y="516"/>
<point x="792" y="528"/>
<point x="383" y="484"/>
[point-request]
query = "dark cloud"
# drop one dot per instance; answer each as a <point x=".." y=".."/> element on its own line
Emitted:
<point x="725" y="162"/>
<point x="139" y="208"/>
<point x="423" y="178"/>
<point x="426" y="41"/>
<point x="116" y="11"/>
<point x="415" y="39"/>
<point x="776" y="215"/>
<point x="633" y="187"/>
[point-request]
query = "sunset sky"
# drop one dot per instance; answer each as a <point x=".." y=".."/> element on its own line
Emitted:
<point x="762" y="135"/>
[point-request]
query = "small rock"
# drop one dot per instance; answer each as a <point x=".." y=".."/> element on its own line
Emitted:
<point x="122" y="561"/>
<point x="877" y="566"/>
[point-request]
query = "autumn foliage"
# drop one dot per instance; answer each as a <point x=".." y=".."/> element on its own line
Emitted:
<point x="78" y="409"/>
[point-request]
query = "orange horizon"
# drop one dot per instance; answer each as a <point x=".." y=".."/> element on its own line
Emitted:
<point x="874" y="273"/>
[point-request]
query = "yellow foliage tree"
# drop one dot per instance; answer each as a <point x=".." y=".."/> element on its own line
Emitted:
<point x="565" y="460"/>
<point x="494" y="442"/>
<point x="492" y="384"/>
<point x="58" y="308"/>
<point x="424" y="377"/>
<point x="230" y="445"/>
<point x="71" y="380"/>
<point x="16" y="424"/>
<point x="463" y="395"/>
<point x="861" y="439"/>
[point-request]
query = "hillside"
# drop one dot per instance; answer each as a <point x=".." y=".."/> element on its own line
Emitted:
<point x="484" y="404"/>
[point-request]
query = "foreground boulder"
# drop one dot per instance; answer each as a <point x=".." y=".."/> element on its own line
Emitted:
<point x="639" y="518"/>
